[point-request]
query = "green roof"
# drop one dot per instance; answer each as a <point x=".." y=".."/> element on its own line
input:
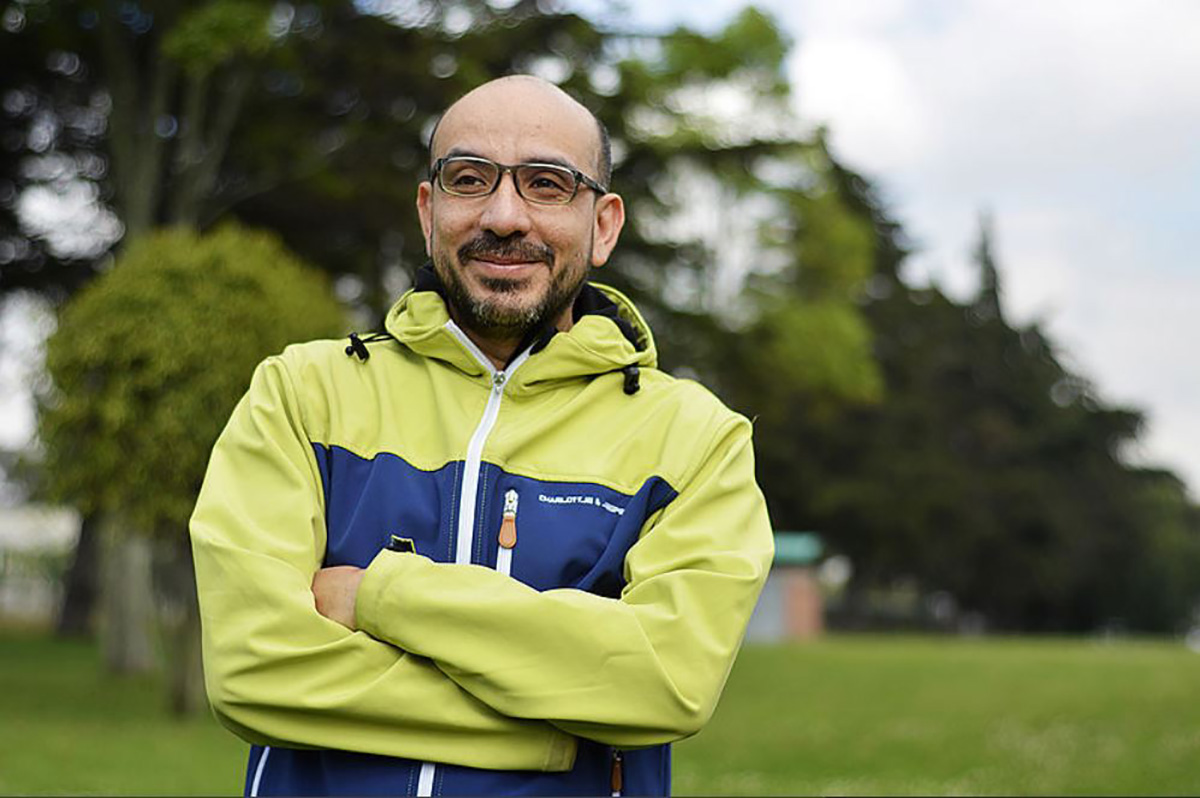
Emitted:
<point x="797" y="548"/>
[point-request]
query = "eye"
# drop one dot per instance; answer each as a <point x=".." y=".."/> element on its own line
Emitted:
<point x="547" y="182"/>
<point x="467" y="177"/>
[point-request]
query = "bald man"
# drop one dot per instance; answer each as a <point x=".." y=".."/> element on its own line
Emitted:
<point x="491" y="549"/>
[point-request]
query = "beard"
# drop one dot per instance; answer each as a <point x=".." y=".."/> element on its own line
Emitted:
<point x="499" y="313"/>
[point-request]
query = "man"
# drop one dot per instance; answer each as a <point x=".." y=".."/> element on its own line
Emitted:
<point x="494" y="551"/>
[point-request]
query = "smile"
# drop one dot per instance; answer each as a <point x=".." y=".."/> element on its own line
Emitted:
<point x="506" y="266"/>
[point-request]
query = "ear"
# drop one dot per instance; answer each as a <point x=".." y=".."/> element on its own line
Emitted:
<point x="609" y="219"/>
<point x="425" y="212"/>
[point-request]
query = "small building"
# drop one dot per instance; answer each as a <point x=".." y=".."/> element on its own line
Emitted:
<point x="35" y="546"/>
<point x="791" y="606"/>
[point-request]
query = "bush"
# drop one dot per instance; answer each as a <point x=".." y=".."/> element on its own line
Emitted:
<point x="150" y="359"/>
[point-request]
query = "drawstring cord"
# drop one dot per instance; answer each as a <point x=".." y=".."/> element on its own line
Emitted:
<point x="632" y="379"/>
<point x="358" y="345"/>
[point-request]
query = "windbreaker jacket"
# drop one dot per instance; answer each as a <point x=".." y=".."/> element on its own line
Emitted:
<point x="587" y="544"/>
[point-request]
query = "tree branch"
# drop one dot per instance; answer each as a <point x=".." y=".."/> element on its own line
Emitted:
<point x="236" y="88"/>
<point x="117" y="60"/>
<point x="192" y="151"/>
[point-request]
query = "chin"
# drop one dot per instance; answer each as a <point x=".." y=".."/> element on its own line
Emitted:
<point x="512" y="307"/>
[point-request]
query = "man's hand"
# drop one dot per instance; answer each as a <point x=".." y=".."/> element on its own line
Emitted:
<point x="336" y="590"/>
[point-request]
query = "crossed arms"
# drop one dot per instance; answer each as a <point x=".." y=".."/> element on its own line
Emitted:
<point x="458" y="663"/>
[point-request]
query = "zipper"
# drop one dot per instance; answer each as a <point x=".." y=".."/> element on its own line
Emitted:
<point x="618" y="774"/>
<point x="468" y="499"/>
<point x="507" y="539"/>
<point x="258" y="771"/>
<point x="425" y="779"/>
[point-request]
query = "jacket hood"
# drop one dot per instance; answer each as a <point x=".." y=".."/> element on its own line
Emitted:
<point x="609" y="334"/>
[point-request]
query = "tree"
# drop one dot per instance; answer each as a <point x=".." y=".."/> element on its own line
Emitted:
<point x="992" y="472"/>
<point x="132" y="102"/>
<point x="131" y="105"/>
<point x="148" y="362"/>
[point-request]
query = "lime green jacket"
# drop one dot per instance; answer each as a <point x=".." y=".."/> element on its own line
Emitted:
<point x="586" y="557"/>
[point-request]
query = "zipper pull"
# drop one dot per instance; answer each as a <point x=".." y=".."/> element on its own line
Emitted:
<point x="618" y="778"/>
<point x="508" y="526"/>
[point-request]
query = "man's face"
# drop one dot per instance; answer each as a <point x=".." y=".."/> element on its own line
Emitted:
<point x="510" y="265"/>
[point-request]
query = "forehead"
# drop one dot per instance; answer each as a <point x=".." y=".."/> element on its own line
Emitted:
<point x="518" y="120"/>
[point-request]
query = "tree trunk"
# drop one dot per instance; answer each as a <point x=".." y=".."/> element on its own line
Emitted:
<point x="78" y="611"/>
<point x="127" y="601"/>
<point x="202" y="145"/>
<point x="179" y="623"/>
<point x="140" y="98"/>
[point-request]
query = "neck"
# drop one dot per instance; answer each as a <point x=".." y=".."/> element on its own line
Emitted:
<point x="500" y="349"/>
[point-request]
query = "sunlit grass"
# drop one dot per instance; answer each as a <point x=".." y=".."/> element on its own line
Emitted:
<point x="848" y="715"/>
<point x="894" y="715"/>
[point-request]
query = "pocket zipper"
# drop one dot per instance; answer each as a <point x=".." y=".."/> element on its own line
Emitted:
<point x="507" y="539"/>
<point x="618" y="775"/>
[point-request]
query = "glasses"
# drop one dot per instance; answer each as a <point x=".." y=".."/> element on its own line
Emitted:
<point x="541" y="183"/>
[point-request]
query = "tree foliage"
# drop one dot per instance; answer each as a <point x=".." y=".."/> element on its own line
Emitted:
<point x="991" y="473"/>
<point x="217" y="33"/>
<point x="149" y="360"/>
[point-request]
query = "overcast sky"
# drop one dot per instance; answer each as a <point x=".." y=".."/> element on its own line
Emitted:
<point x="1076" y="123"/>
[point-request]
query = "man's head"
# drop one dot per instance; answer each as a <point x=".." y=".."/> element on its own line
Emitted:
<point x="509" y="263"/>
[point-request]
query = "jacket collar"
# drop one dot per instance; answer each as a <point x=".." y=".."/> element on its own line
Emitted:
<point x="609" y="334"/>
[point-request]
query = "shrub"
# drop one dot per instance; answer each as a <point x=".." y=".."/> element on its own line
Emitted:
<point x="149" y="360"/>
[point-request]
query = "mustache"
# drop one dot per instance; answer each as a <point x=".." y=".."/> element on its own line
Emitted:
<point x="488" y="244"/>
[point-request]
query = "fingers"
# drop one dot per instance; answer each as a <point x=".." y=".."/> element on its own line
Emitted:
<point x="336" y="590"/>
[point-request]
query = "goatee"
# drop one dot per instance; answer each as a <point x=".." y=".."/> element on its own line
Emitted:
<point x="489" y="315"/>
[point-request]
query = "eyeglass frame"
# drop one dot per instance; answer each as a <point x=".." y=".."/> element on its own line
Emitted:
<point x="581" y="179"/>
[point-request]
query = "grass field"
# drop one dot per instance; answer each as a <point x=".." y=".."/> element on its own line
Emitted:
<point x="849" y="715"/>
<point x="891" y="716"/>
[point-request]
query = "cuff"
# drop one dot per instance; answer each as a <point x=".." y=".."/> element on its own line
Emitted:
<point x="378" y="596"/>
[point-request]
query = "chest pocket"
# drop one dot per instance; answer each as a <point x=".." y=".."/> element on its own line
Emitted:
<point x="369" y="500"/>
<point x="563" y="534"/>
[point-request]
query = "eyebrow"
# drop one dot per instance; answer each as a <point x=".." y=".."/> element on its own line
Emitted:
<point x="460" y="152"/>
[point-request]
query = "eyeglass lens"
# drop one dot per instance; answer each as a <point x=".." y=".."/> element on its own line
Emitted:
<point x="545" y="183"/>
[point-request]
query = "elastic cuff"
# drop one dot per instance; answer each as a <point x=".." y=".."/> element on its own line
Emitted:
<point x="376" y="591"/>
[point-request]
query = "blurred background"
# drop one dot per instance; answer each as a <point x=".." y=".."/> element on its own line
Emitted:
<point x="941" y="252"/>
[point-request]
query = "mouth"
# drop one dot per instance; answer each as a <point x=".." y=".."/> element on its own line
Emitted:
<point x="496" y="262"/>
<point x="506" y="267"/>
<point x="496" y="271"/>
<point x="506" y="258"/>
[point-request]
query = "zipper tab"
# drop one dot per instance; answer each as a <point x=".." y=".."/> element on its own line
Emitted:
<point x="618" y="777"/>
<point x="508" y="526"/>
<point x="498" y="380"/>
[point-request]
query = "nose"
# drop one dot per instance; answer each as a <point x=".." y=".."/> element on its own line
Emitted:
<point x="506" y="213"/>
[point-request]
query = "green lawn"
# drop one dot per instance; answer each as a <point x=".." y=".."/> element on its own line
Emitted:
<point x="879" y="715"/>
<point x="65" y="728"/>
<point x="850" y="715"/>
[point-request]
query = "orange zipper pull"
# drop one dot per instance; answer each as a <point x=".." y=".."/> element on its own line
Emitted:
<point x="508" y="526"/>
<point x="618" y="777"/>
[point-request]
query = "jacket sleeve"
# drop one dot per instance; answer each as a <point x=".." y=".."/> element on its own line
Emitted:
<point x="643" y="669"/>
<point x="277" y="672"/>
